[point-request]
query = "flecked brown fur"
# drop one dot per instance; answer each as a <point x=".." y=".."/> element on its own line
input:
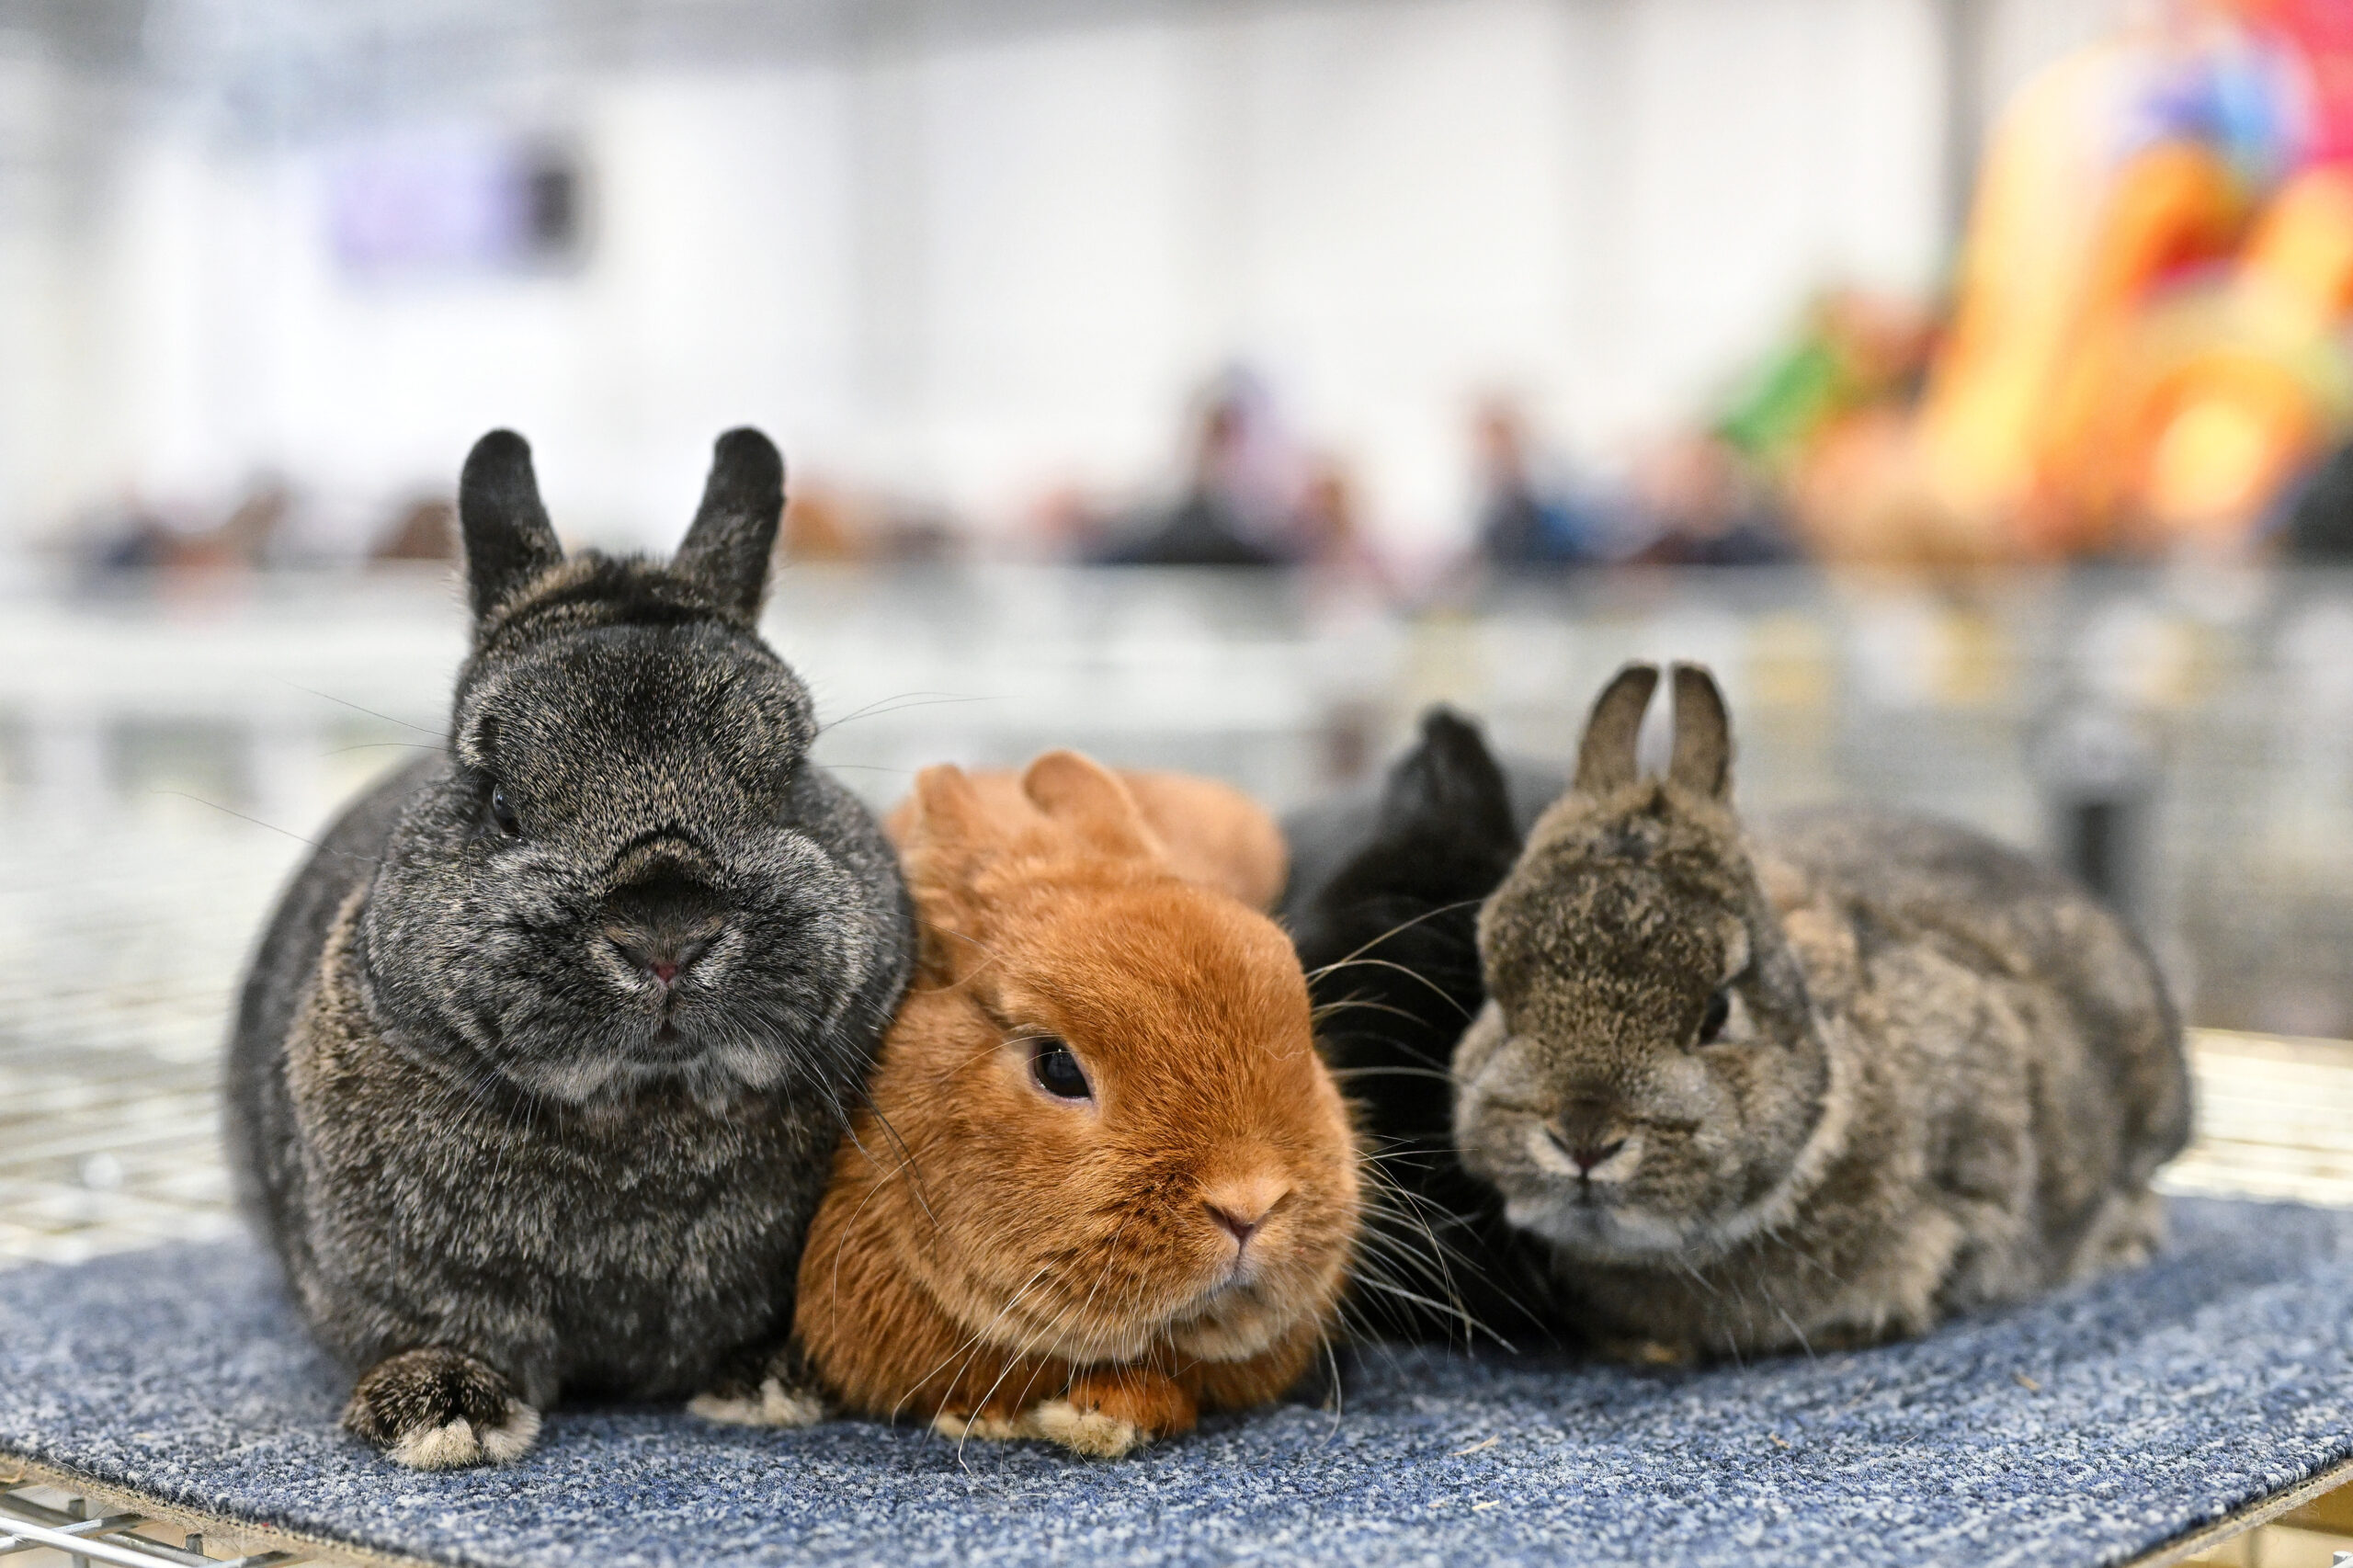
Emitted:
<point x="1941" y="1078"/>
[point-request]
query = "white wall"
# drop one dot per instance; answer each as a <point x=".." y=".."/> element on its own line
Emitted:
<point x="971" y="271"/>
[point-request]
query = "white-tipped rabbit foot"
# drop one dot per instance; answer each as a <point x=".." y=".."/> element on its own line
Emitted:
<point x="1088" y="1432"/>
<point x="440" y="1409"/>
<point x="460" y="1443"/>
<point x="772" y="1404"/>
<point x="996" y="1429"/>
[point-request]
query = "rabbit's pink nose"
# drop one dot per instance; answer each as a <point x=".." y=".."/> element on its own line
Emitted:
<point x="1240" y="1207"/>
<point x="663" y="955"/>
<point x="1240" y="1229"/>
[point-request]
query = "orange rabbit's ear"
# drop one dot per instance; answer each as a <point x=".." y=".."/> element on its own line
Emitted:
<point x="1082" y="795"/>
<point x="944" y="809"/>
<point x="940" y="831"/>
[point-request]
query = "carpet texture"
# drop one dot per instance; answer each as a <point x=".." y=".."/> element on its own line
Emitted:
<point x="2085" y="1429"/>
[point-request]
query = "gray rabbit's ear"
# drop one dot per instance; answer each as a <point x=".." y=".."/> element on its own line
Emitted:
<point x="508" y="537"/>
<point x="1606" y="756"/>
<point x="1702" y="761"/>
<point x="732" y="542"/>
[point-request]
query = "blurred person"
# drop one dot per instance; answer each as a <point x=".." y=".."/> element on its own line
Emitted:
<point x="1519" y="524"/>
<point x="135" y="538"/>
<point x="1067" y="522"/>
<point x="248" y="538"/>
<point x="1240" y="494"/>
<point x="1706" y="506"/>
<point x="1331" y="532"/>
<point x="424" y="531"/>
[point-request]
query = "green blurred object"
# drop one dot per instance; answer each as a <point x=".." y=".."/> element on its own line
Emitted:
<point x="1796" y="391"/>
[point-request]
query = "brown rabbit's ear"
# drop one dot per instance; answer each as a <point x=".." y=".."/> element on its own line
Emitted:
<point x="1702" y="761"/>
<point x="1606" y="756"/>
<point x="1082" y="794"/>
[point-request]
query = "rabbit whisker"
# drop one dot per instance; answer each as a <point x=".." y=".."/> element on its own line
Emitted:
<point x="1401" y="925"/>
<point x="379" y="745"/>
<point x="905" y="700"/>
<point x="1414" y="974"/>
<point x="1345" y="1004"/>
<point x="330" y="697"/>
<point x="299" y="839"/>
<point x="969" y="1348"/>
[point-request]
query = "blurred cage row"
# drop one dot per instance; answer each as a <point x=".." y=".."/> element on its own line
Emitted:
<point x="2186" y="741"/>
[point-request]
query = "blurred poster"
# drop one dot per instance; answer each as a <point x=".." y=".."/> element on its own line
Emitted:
<point x="454" y="201"/>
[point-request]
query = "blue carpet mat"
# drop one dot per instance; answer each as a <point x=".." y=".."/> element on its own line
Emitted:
<point x="2087" y="1429"/>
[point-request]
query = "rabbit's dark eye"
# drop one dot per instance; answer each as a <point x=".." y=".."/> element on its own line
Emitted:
<point x="502" y="814"/>
<point x="1713" y="1021"/>
<point x="1056" y="1071"/>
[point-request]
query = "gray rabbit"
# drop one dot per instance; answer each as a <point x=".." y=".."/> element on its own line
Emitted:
<point x="537" y="1076"/>
<point x="1817" y="1086"/>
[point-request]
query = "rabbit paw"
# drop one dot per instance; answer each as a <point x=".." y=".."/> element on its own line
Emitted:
<point x="1108" y="1415"/>
<point x="774" y="1403"/>
<point x="764" y="1388"/>
<point x="1089" y="1432"/>
<point x="438" y="1409"/>
<point x="1639" y="1352"/>
<point x="977" y="1423"/>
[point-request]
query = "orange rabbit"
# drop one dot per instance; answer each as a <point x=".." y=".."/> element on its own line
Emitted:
<point x="1104" y="1182"/>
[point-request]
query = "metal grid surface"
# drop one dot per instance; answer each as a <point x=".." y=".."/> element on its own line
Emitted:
<point x="118" y="949"/>
<point x="59" y="1530"/>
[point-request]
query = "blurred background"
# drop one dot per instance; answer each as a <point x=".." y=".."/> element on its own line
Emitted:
<point x="1208" y="383"/>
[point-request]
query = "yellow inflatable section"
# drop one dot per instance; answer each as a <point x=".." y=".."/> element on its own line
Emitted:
<point x="2142" y="351"/>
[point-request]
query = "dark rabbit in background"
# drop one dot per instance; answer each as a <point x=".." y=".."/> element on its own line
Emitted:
<point x="537" y="1076"/>
<point x="1385" y="919"/>
<point x="1819" y="1083"/>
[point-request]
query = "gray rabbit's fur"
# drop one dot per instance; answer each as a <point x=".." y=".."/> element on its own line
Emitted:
<point x="1819" y="1085"/>
<point x="537" y="1073"/>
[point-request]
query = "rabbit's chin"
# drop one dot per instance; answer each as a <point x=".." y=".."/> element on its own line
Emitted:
<point x="1232" y="1322"/>
<point x="1607" y="1231"/>
<point x="710" y="1066"/>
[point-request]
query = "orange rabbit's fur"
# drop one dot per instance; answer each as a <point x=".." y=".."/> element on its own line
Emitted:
<point x="1007" y="1263"/>
<point x="1211" y="832"/>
